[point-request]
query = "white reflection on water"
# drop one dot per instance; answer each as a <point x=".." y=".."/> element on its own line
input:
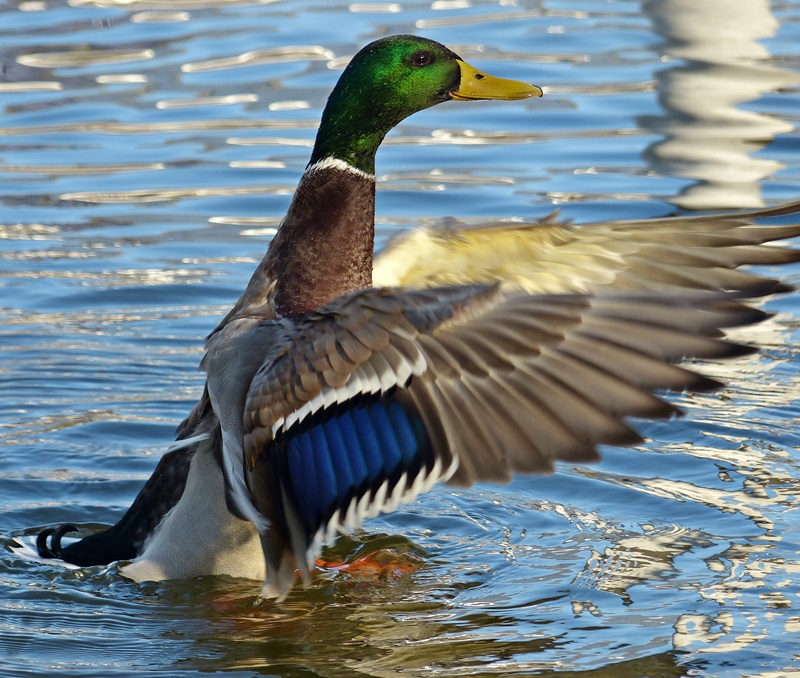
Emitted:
<point x="720" y="64"/>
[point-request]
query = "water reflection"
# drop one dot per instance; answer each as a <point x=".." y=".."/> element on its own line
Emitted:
<point x="709" y="137"/>
<point x="87" y="57"/>
<point x="276" y="55"/>
<point x="368" y="633"/>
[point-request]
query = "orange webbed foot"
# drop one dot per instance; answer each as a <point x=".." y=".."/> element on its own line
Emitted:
<point x="381" y="564"/>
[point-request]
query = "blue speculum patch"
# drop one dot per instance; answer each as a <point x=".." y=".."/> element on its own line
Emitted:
<point x="351" y="449"/>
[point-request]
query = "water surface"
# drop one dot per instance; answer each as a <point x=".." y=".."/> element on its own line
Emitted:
<point x="147" y="152"/>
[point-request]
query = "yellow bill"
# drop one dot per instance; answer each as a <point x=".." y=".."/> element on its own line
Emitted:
<point x="478" y="85"/>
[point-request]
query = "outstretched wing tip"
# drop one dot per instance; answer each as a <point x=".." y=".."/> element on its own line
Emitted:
<point x="512" y="382"/>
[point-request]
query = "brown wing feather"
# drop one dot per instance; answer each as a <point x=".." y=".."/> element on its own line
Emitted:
<point x="695" y="252"/>
<point x="504" y="383"/>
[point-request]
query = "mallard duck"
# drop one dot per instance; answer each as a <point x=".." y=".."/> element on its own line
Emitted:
<point x="483" y="353"/>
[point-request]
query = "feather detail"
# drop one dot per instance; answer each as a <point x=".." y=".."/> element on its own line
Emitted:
<point x="555" y="257"/>
<point x="185" y="443"/>
<point x="387" y="391"/>
<point x="325" y="406"/>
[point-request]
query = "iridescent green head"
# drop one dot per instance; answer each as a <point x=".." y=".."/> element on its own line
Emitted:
<point x="389" y="80"/>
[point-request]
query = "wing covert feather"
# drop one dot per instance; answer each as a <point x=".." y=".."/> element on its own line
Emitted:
<point x="459" y="384"/>
<point x="687" y="252"/>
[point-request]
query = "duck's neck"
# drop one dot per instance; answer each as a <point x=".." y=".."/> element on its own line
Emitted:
<point x="324" y="246"/>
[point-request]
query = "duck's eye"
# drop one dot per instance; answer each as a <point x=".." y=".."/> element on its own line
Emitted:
<point x="421" y="58"/>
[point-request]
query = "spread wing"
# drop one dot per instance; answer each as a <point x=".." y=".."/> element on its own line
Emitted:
<point x="698" y="252"/>
<point x="372" y="399"/>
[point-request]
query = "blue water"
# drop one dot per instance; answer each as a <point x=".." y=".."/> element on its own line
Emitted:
<point x="141" y="179"/>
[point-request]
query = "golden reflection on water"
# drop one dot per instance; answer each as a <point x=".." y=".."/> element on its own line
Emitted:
<point x="83" y="169"/>
<point x="111" y="127"/>
<point x="30" y="86"/>
<point x="169" y="6"/>
<point x="259" y="57"/>
<point x="228" y="100"/>
<point x="168" y="194"/>
<point x="159" y="17"/>
<point x="80" y="58"/>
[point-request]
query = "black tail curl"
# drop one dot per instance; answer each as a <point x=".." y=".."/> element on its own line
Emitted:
<point x="55" y="534"/>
